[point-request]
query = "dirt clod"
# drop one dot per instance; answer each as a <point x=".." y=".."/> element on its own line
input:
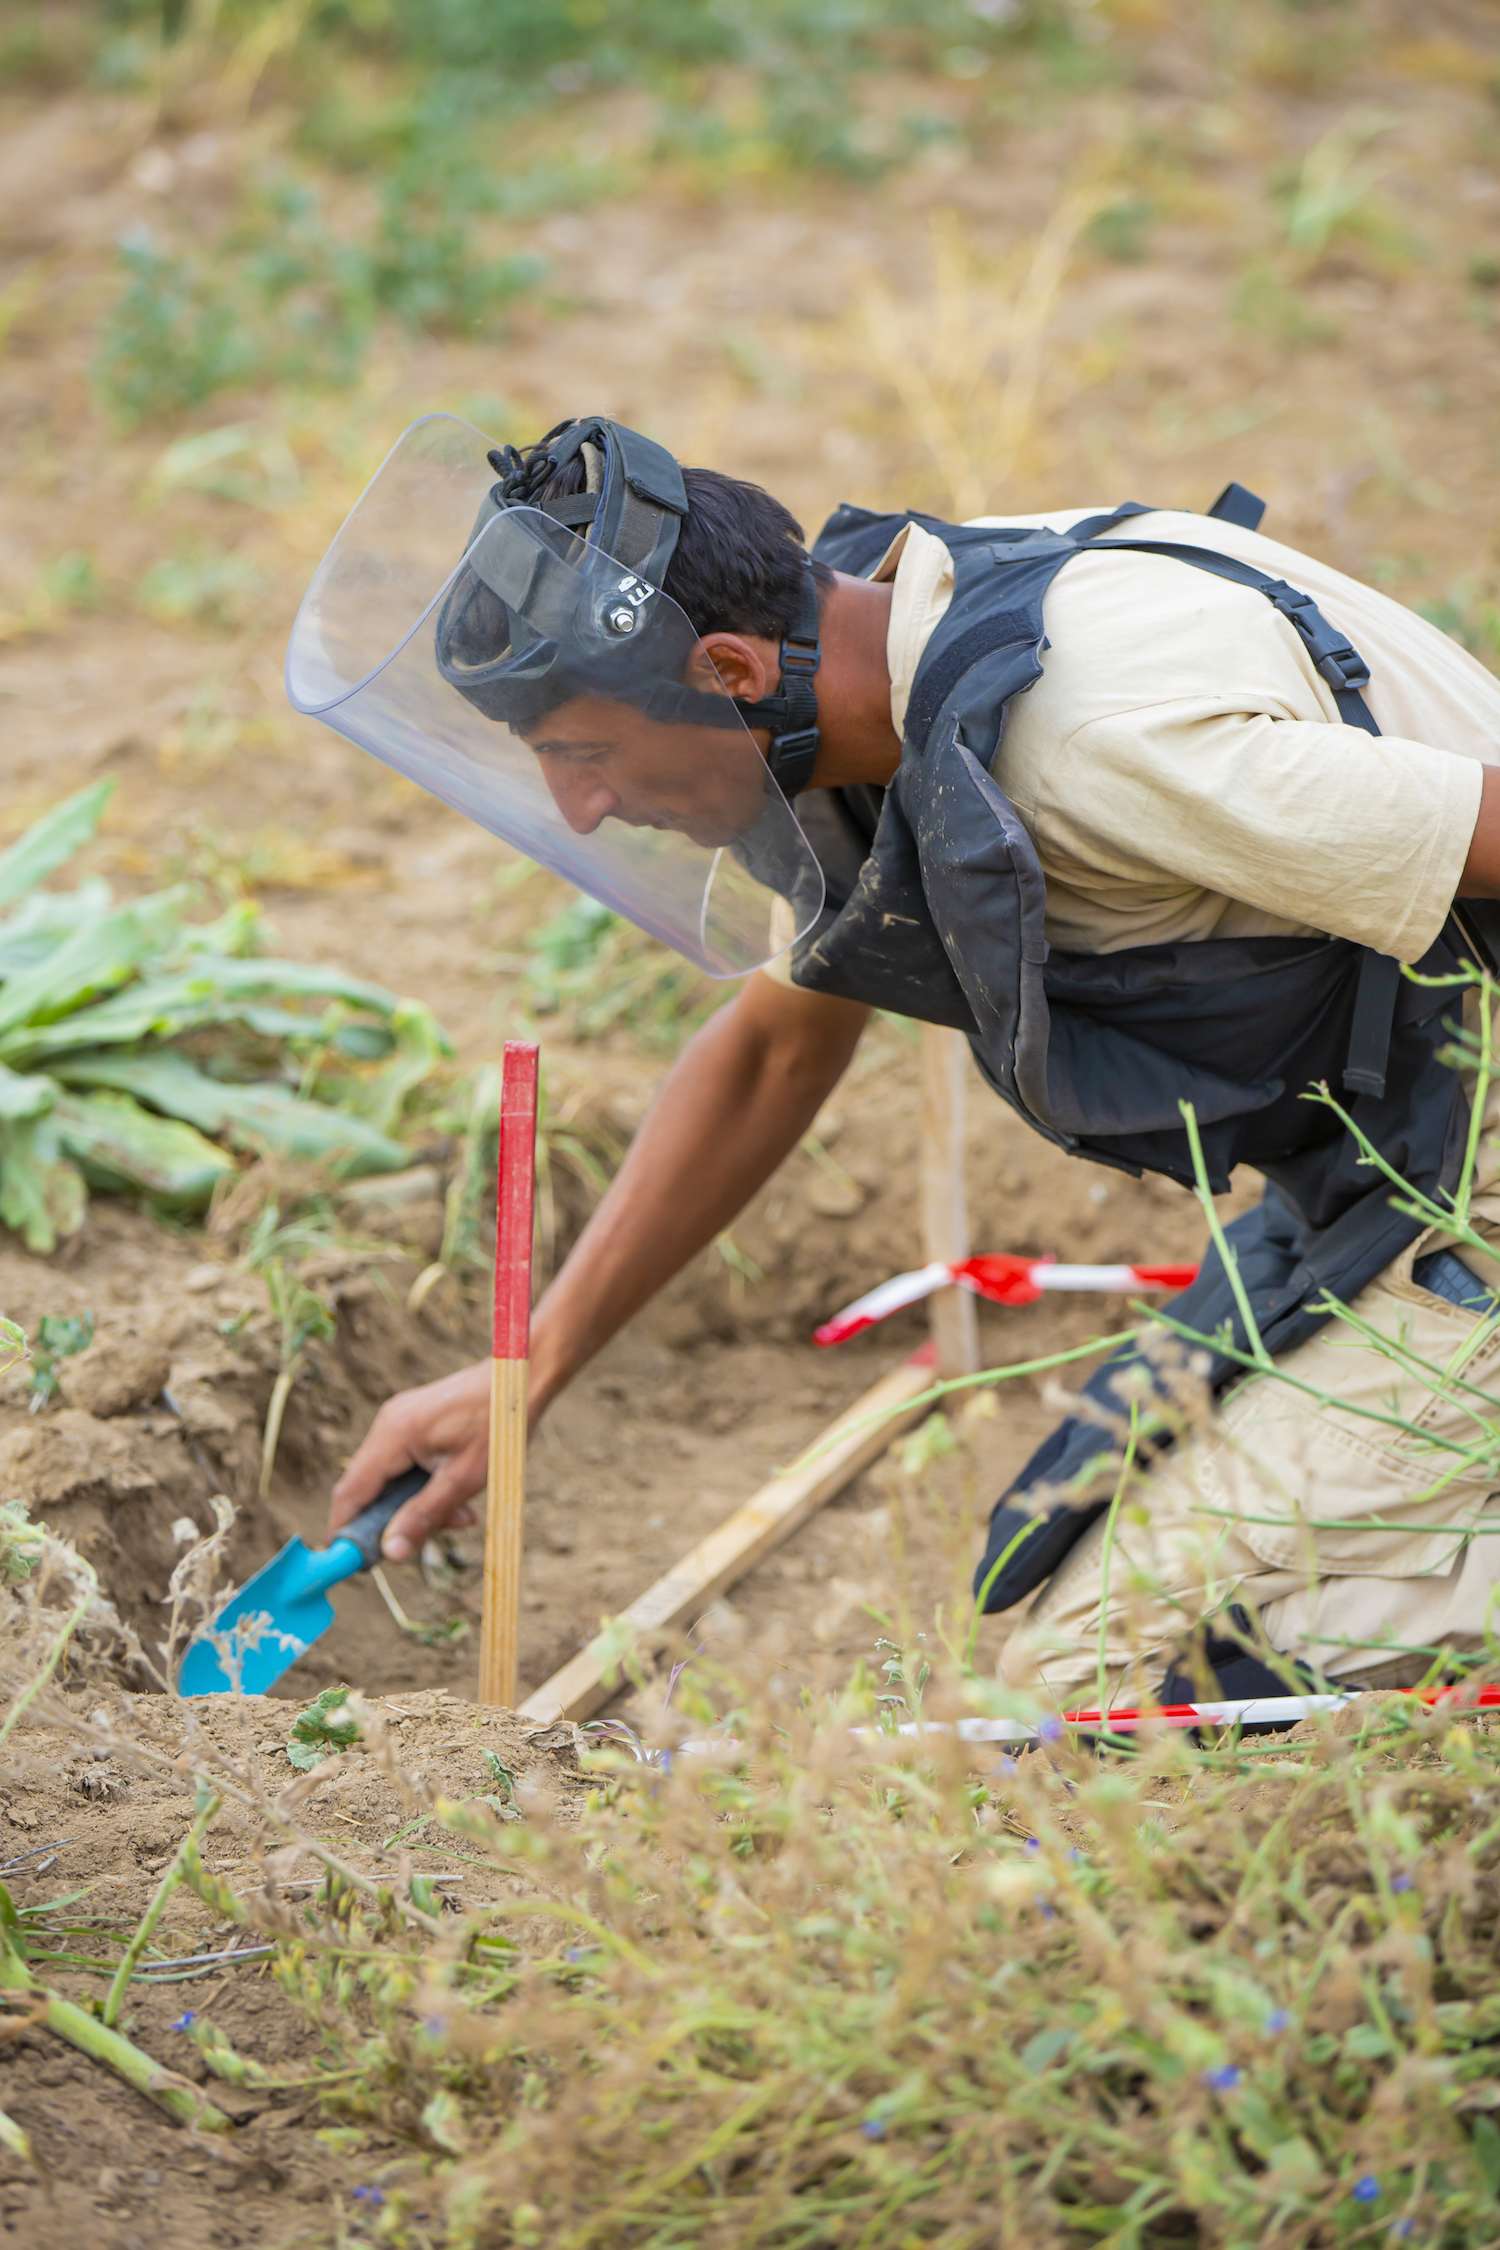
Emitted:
<point x="115" y="1374"/>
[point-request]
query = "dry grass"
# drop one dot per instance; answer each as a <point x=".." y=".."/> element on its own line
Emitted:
<point x="824" y="1985"/>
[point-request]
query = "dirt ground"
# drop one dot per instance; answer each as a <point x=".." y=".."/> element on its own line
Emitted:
<point x="737" y="326"/>
<point x="76" y="1819"/>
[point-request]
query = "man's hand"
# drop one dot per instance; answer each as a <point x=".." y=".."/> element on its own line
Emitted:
<point x="737" y="1100"/>
<point x="444" y="1427"/>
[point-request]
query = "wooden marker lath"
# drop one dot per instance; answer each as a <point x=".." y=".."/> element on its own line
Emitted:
<point x="505" y="1512"/>
<point x="857" y="1438"/>
<point x="945" y="1214"/>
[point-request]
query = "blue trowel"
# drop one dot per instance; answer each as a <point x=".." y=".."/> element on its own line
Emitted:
<point x="278" y="1614"/>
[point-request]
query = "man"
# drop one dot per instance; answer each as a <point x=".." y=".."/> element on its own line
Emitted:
<point x="1102" y="790"/>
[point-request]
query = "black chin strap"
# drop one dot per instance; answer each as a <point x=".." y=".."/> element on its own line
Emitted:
<point x="792" y="712"/>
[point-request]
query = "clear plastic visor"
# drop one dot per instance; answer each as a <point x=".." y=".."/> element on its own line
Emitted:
<point x="536" y="685"/>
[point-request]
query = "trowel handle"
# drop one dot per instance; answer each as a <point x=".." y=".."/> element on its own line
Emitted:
<point x="366" y="1530"/>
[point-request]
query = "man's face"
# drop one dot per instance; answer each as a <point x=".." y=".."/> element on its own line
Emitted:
<point x="608" y="761"/>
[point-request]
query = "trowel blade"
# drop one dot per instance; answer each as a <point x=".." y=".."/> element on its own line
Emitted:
<point x="288" y="1600"/>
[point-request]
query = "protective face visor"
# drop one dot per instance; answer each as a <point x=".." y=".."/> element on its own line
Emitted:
<point x="555" y="696"/>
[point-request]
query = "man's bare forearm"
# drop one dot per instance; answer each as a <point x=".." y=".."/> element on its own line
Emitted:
<point x="736" y="1102"/>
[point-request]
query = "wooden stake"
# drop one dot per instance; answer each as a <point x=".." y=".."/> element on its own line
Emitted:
<point x="505" y="1511"/>
<point x="743" y="1539"/>
<point x="945" y="1215"/>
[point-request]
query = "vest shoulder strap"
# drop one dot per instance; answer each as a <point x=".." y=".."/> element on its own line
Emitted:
<point x="1336" y="660"/>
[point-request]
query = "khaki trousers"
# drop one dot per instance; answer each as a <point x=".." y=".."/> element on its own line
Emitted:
<point x="1357" y="1542"/>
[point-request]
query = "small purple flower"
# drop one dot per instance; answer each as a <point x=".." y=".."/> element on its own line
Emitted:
<point x="1033" y="1844"/>
<point x="370" y="2195"/>
<point x="576" y="1953"/>
<point x="1403" y="2228"/>
<point x="1049" y="1728"/>
<point x="1223" y="2080"/>
<point x="1278" y="2019"/>
<point x="1366" y="2188"/>
<point x="184" y="2023"/>
<point x="1402" y="1883"/>
<point x="1049" y="1913"/>
<point x="873" y="2129"/>
<point x="436" y="2027"/>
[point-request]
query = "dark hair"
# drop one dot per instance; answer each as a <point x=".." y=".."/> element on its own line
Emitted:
<point x="739" y="562"/>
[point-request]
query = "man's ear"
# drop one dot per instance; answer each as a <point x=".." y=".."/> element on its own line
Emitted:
<point x="746" y="667"/>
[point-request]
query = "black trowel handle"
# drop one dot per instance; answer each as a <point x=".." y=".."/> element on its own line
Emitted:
<point x="369" y="1525"/>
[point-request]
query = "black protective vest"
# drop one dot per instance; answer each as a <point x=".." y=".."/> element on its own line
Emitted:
<point x="934" y="909"/>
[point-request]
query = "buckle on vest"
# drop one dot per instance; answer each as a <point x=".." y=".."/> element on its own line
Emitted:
<point x="1335" y="661"/>
<point x="1344" y="668"/>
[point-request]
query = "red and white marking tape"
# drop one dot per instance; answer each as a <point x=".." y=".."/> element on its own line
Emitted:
<point x="1003" y="1280"/>
<point x="1265" y="1710"/>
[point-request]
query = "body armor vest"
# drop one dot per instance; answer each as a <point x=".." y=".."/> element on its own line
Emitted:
<point x="935" y="904"/>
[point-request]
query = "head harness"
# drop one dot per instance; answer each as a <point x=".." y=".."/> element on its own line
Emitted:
<point x="515" y="657"/>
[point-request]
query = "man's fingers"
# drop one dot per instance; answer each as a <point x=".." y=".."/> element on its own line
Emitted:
<point x="442" y="1427"/>
<point x="384" y="1453"/>
<point x="452" y="1483"/>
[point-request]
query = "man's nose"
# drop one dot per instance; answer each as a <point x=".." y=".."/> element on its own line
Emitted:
<point x="583" y="799"/>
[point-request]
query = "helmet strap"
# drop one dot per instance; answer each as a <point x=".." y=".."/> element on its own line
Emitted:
<point x="792" y="712"/>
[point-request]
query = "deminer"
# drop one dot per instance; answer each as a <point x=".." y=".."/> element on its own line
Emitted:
<point x="1154" y="810"/>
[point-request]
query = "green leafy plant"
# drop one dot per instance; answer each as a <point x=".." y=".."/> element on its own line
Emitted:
<point x="324" y="1728"/>
<point x="134" y="1044"/>
<point x="59" y="1336"/>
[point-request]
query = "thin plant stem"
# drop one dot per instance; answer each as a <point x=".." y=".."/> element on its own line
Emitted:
<point x="281" y="1391"/>
<point x="1260" y="1356"/>
<point x="178" y="2096"/>
<point x="990" y="1576"/>
<point x="1472" y="1453"/>
<point x="1108" y="1551"/>
<point x="203" y="1818"/>
<point x="954" y="1383"/>
<point x="1482" y="1079"/>
<point x="1354" y="1523"/>
<point x="33" y="1687"/>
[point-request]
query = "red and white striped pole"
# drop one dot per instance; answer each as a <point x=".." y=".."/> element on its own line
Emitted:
<point x="505" y="1513"/>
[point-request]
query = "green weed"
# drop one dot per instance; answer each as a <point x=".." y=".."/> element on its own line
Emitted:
<point x="172" y="339"/>
<point x="1278" y="312"/>
<point x="59" y="1336"/>
<point x="72" y="582"/>
<point x="1119" y="231"/>
<point x="599" y="974"/>
<point x="283" y="297"/>
<point x="1332" y="194"/>
<point x="225" y="592"/>
<point x="1470" y="616"/>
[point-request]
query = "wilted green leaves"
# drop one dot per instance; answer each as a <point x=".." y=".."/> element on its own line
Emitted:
<point x="93" y="1090"/>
